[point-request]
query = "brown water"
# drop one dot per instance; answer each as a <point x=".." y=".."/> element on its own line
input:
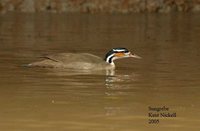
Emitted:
<point x="35" y="99"/>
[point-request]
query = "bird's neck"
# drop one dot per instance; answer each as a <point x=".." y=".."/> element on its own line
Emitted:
<point x="109" y="59"/>
<point x="112" y="64"/>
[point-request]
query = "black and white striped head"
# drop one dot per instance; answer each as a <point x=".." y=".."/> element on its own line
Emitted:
<point x="118" y="53"/>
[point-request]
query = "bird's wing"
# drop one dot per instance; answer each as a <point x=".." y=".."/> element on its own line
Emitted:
<point x="72" y="57"/>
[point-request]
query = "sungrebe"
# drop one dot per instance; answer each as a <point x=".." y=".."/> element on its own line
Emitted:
<point x="84" y="60"/>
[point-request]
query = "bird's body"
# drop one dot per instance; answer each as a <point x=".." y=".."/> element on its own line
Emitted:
<point x="84" y="61"/>
<point x="73" y="61"/>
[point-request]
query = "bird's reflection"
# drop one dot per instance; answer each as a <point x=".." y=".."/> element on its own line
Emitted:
<point x="112" y="80"/>
<point x="115" y="81"/>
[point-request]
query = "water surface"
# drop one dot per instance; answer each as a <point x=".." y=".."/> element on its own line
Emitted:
<point x="55" y="99"/>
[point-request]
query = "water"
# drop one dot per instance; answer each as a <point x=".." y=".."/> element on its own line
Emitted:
<point x="55" y="99"/>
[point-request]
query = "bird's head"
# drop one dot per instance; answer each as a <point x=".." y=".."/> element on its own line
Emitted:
<point x="119" y="53"/>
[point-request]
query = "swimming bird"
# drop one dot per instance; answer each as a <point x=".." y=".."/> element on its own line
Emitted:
<point x="84" y="60"/>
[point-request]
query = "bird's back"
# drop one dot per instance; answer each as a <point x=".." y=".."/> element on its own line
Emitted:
<point x="72" y="60"/>
<point x="74" y="57"/>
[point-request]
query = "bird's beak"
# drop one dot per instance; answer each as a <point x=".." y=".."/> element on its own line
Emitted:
<point x="135" y="56"/>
